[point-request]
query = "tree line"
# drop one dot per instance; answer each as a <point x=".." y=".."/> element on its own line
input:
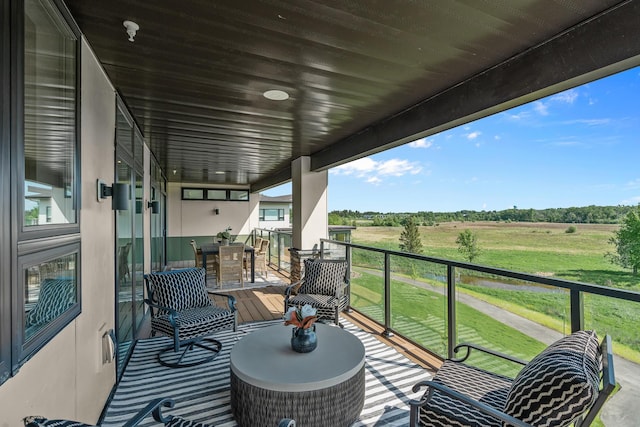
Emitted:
<point x="626" y="241"/>
<point x="577" y="215"/>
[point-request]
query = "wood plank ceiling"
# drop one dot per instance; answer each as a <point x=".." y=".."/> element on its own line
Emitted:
<point x="195" y="75"/>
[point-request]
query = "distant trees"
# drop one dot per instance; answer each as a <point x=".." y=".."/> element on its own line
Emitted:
<point x="468" y="245"/>
<point x="627" y="242"/>
<point x="577" y="215"/>
<point x="410" y="237"/>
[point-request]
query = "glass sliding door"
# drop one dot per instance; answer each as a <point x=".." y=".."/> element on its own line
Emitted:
<point x="157" y="218"/>
<point x="157" y="232"/>
<point x="130" y="308"/>
<point x="138" y="256"/>
<point x="124" y="272"/>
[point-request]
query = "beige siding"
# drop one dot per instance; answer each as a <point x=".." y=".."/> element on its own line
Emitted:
<point x="66" y="378"/>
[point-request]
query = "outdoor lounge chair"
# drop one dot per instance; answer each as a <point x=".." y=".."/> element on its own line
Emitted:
<point x="181" y="308"/>
<point x="325" y="286"/>
<point x="566" y="383"/>
<point x="153" y="408"/>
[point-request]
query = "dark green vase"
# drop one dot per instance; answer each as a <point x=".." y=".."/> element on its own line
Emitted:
<point x="304" y="340"/>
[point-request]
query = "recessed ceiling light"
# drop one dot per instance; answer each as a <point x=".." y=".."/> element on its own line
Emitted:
<point x="276" y="95"/>
<point x="219" y="172"/>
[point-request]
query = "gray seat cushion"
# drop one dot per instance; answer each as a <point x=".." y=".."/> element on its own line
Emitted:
<point x="195" y="322"/>
<point x="483" y="386"/>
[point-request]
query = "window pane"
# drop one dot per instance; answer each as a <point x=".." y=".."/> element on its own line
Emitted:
<point x="216" y="194"/>
<point x="239" y="195"/>
<point x="50" y="290"/>
<point x="49" y="117"/>
<point x="271" y="214"/>
<point x="192" y="194"/>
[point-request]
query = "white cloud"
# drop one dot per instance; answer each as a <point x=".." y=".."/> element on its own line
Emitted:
<point x="374" y="180"/>
<point x="373" y="171"/>
<point x="497" y="137"/>
<point x="421" y="143"/>
<point x="473" y="135"/>
<point x="397" y="167"/>
<point x="541" y="108"/>
<point x="520" y="116"/>
<point x="568" y="96"/>
<point x="588" y="122"/>
<point x="357" y="167"/>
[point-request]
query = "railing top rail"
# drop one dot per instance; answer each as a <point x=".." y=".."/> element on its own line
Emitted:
<point x="266" y="230"/>
<point x="549" y="281"/>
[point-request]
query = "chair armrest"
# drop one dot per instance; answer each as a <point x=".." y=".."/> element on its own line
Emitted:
<point x="293" y="287"/>
<point x="231" y="300"/>
<point x="489" y="410"/>
<point x="154" y="407"/>
<point x="469" y="347"/>
<point x="340" y="290"/>
<point x="152" y="304"/>
<point x="172" y="313"/>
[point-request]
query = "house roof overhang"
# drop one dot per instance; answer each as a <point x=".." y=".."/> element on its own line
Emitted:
<point x="362" y="76"/>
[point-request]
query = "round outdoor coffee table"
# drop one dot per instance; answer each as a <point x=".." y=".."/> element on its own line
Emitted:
<point x="269" y="381"/>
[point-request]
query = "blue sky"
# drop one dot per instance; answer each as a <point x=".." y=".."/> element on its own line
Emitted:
<point x="576" y="148"/>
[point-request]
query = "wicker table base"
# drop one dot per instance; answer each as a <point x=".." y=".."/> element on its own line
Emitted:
<point x="335" y="406"/>
<point x="323" y="388"/>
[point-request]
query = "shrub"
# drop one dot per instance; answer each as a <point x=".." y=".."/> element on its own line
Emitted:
<point x="570" y="230"/>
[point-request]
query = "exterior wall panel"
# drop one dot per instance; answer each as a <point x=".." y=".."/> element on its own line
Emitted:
<point x="66" y="378"/>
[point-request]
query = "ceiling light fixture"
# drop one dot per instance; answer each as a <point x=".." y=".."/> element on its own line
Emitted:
<point x="276" y="95"/>
<point x="132" y="28"/>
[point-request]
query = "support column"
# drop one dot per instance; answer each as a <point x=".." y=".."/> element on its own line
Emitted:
<point x="310" y="216"/>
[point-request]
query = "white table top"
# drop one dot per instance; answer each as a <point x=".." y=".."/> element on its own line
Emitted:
<point x="265" y="359"/>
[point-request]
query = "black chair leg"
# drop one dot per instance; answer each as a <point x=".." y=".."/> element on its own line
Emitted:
<point x="185" y="358"/>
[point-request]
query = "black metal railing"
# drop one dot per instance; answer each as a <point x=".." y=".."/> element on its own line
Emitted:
<point x="447" y="281"/>
<point x="278" y="252"/>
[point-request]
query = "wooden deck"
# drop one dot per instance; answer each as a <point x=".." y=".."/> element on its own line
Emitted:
<point x="267" y="303"/>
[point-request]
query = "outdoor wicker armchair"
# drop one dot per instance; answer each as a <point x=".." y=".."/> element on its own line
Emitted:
<point x="181" y="309"/>
<point x="566" y="384"/>
<point x="325" y="286"/>
<point x="154" y="408"/>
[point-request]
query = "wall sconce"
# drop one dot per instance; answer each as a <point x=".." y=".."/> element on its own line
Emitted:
<point x="119" y="193"/>
<point x="154" y="206"/>
<point x="216" y="211"/>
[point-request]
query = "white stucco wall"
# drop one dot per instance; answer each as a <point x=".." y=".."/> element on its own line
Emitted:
<point x="197" y="217"/>
<point x="66" y="377"/>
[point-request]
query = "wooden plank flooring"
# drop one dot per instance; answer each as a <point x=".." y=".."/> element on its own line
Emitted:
<point x="256" y="304"/>
<point x="267" y="303"/>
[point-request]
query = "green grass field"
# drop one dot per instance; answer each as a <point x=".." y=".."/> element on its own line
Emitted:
<point x="419" y="314"/>
<point x="537" y="248"/>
